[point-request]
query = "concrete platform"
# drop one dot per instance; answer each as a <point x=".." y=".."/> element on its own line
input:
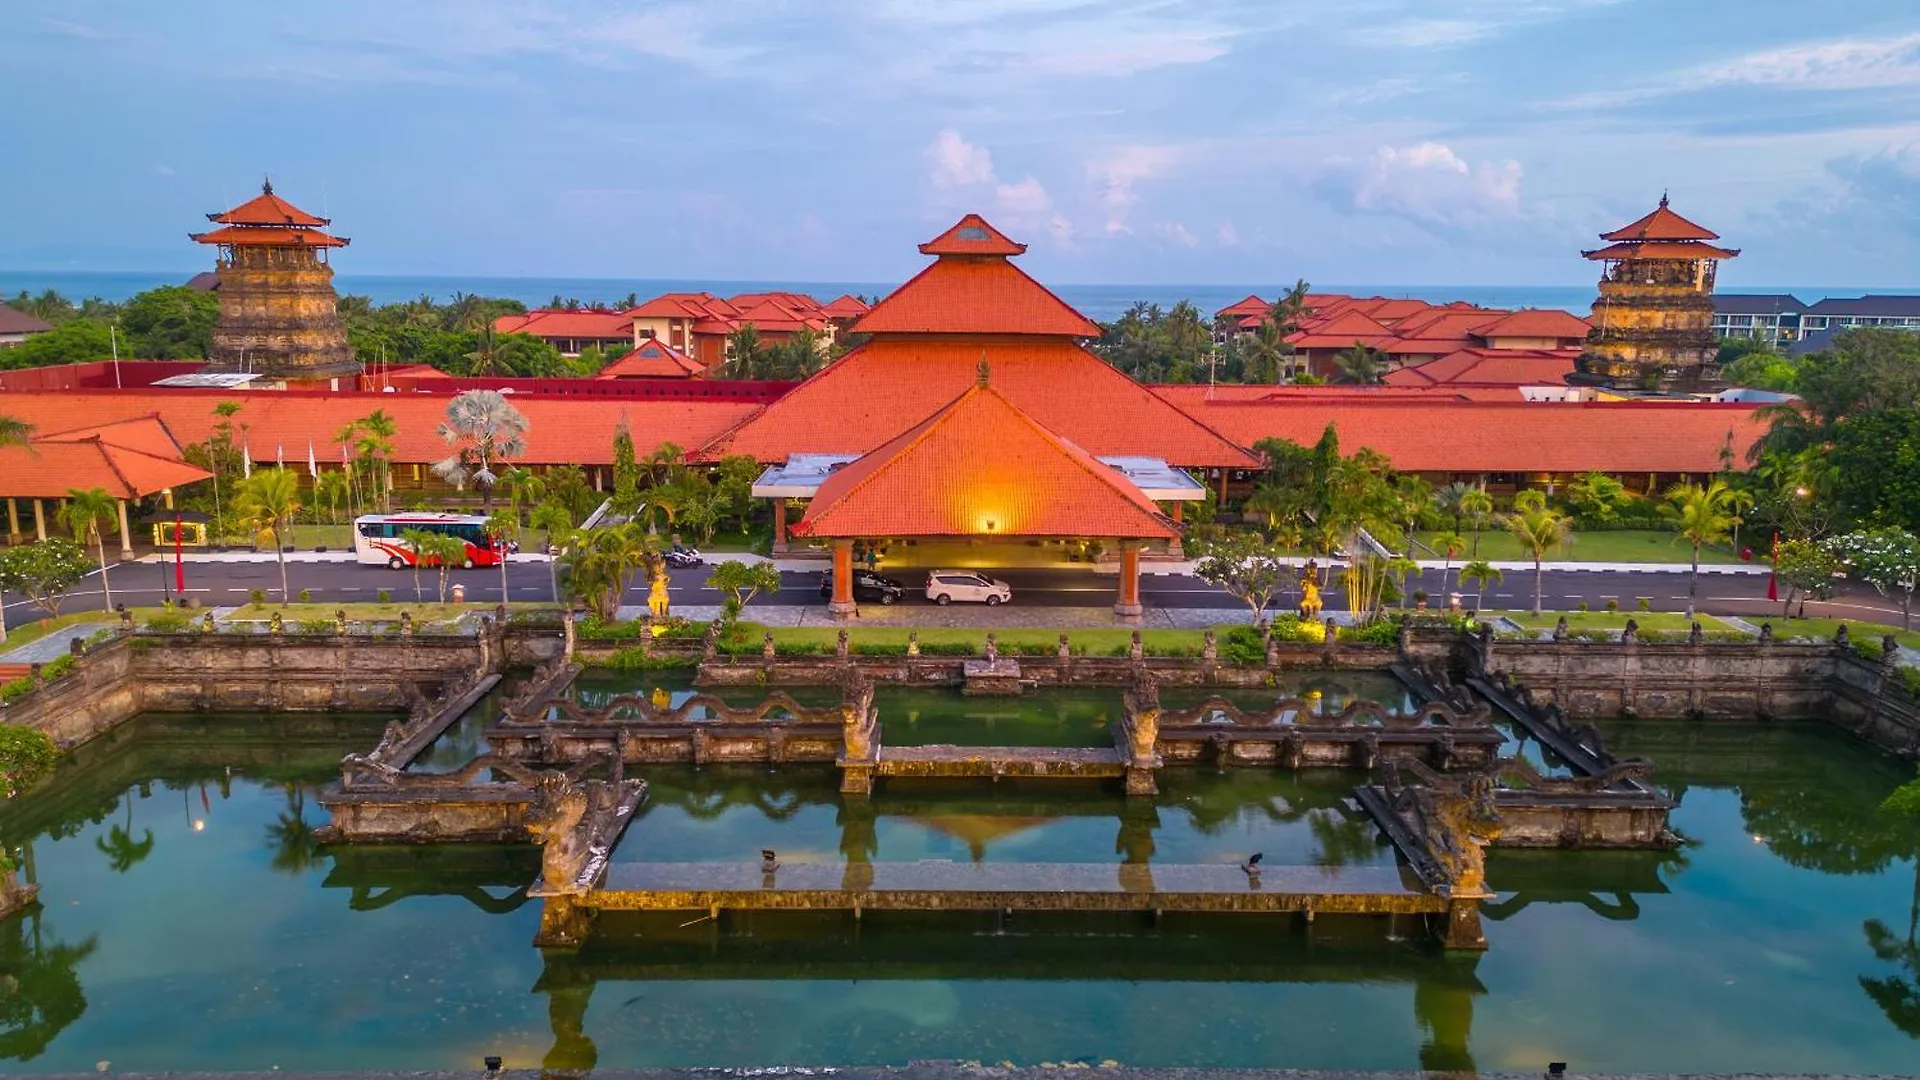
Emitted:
<point x="997" y="761"/>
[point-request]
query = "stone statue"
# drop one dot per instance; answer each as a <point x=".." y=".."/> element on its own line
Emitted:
<point x="1144" y="733"/>
<point x="406" y="624"/>
<point x="1209" y="648"/>
<point x="1136" y="651"/>
<point x="559" y="807"/>
<point x="913" y="643"/>
<point x="206" y="623"/>
<point x="1066" y="650"/>
<point x="856" y="731"/>
<point x="1455" y="814"/>
<point x="1560" y="629"/>
<point x="340" y="621"/>
<point x="275" y="624"/>
<point x="1696" y="635"/>
<point x="766" y="646"/>
<point x="661" y="699"/>
<point x="840" y="645"/>
<point x="657" y="599"/>
<point x="1766" y="633"/>
<point x="1632" y="632"/>
<point x="993" y="648"/>
<point x="1840" y="636"/>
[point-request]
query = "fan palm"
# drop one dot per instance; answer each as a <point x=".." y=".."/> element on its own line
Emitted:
<point x="92" y="514"/>
<point x="483" y="430"/>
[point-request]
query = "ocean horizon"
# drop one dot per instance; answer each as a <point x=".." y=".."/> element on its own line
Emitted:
<point x="1099" y="302"/>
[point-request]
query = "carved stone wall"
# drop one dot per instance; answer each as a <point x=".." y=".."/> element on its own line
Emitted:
<point x="278" y="316"/>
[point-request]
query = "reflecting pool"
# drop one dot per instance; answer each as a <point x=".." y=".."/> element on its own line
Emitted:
<point x="188" y="922"/>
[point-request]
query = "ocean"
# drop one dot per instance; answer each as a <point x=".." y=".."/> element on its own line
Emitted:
<point x="1099" y="302"/>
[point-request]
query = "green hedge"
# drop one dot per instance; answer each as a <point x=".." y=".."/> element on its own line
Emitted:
<point x="24" y="685"/>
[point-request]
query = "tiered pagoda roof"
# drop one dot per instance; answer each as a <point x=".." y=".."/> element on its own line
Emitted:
<point x="981" y="466"/>
<point x="927" y="340"/>
<point x="1661" y="234"/>
<point x="268" y="219"/>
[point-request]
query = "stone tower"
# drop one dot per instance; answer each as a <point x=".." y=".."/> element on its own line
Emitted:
<point x="1653" y="321"/>
<point x="277" y="304"/>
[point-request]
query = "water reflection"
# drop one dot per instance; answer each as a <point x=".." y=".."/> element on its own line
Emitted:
<point x="41" y="995"/>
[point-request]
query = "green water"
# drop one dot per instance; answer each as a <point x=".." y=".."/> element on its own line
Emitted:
<point x="188" y="923"/>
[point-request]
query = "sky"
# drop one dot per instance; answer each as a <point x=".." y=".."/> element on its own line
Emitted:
<point x="1127" y="141"/>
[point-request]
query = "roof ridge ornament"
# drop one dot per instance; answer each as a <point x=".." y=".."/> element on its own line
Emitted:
<point x="266" y="185"/>
<point x="1663" y="196"/>
<point x="982" y="372"/>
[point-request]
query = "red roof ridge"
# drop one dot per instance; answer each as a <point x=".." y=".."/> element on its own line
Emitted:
<point x="1661" y="224"/>
<point x="972" y="235"/>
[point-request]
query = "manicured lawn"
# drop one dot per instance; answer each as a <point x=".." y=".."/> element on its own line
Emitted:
<point x="1612" y="620"/>
<point x="22" y="635"/>
<point x="1619" y="545"/>
<point x="1824" y="629"/>
<point x="422" y="613"/>
<point x="1093" y="640"/>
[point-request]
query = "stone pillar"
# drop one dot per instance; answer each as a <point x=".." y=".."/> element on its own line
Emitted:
<point x="1462" y="929"/>
<point x="779" y="525"/>
<point x="13" y="521"/>
<point x="126" y="533"/>
<point x="39" y="520"/>
<point x="842" y="605"/>
<point x="1127" y="599"/>
<point x="564" y="924"/>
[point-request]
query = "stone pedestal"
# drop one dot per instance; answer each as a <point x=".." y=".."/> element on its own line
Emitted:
<point x="990" y="678"/>
<point x="856" y="777"/>
<point x="564" y="923"/>
<point x="1462" y="925"/>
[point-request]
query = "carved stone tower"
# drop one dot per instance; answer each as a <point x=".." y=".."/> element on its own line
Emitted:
<point x="277" y="304"/>
<point x="1653" y="321"/>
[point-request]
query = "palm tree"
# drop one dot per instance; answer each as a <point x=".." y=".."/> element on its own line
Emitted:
<point x="375" y="448"/>
<point x="266" y="502"/>
<point x="1477" y="505"/>
<point x="1539" y="529"/>
<point x="1481" y="573"/>
<point x="1267" y="353"/>
<point x="418" y="541"/>
<point x="1447" y="497"/>
<point x="485" y="357"/>
<point x="14" y="432"/>
<point x="483" y="430"/>
<point x="332" y="490"/>
<point x="294" y="847"/>
<point x="91" y="515"/>
<point x="1702" y="514"/>
<point x="524" y="489"/>
<point x="503" y="526"/>
<point x="745" y="353"/>
<point x="554" y="520"/>
<point x="601" y="562"/>
<point x="1290" y="308"/>
<point x="123" y="852"/>
<point x="1359" y="365"/>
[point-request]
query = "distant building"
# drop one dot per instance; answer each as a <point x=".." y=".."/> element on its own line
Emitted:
<point x="1653" y="319"/>
<point x="571" y="330"/>
<point x="1864" y="312"/>
<point x="698" y="325"/>
<point x="17" y="326"/>
<point x="278" y="310"/>
<point x="1773" y="318"/>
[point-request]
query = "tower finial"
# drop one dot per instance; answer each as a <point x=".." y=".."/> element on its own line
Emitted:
<point x="266" y="185"/>
<point x="981" y="371"/>
<point x="1663" y="198"/>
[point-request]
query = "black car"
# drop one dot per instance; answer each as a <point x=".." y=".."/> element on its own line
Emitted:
<point x="867" y="585"/>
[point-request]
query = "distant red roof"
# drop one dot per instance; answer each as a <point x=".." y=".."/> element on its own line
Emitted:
<point x="1252" y="305"/>
<point x="129" y="457"/>
<point x="1445" y="435"/>
<point x="971" y="235"/>
<point x="670" y="306"/>
<point x="846" y="306"/>
<point x="1340" y="331"/>
<point x="572" y="325"/>
<point x="1661" y="224"/>
<point x="1490" y="367"/>
<point x="974" y="296"/>
<point x="15" y="321"/>
<point x="267" y="208"/>
<point x="1535" y="323"/>
<point x="653" y="359"/>
<point x="981" y="467"/>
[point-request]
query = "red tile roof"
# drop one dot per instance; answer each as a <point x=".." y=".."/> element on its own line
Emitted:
<point x="1390" y="312"/>
<point x="1490" y="367"/>
<point x="770" y="316"/>
<point x="15" y="321"/>
<point x="267" y="208"/>
<point x="670" y="306"/>
<point x="889" y="384"/>
<point x="1426" y="435"/>
<point x="846" y="306"/>
<point x="1340" y="330"/>
<point x="1252" y="305"/>
<point x="974" y="296"/>
<point x="255" y="237"/>
<point x="1659" y="249"/>
<point x="1446" y="321"/>
<point x="979" y="467"/>
<point x="584" y="323"/>
<point x="1661" y="224"/>
<point x="653" y="359"/>
<point x="130" y="457"/>
<point x="1543" y="323"/>
<point x="561" y="429"/>
<point x="971" y="235"/>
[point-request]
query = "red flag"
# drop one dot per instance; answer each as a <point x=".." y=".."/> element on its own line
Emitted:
<point x="1773" y="589"/>
<point x="179" y="564"/>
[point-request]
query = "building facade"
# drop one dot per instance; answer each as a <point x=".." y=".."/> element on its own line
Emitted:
<point x="1773" y="318"/>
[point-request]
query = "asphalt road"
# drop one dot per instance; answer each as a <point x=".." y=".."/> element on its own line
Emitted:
<point x="230" y="583"/>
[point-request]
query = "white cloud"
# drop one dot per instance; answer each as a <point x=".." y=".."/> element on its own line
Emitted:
<point x="1113" y="179"/>
<point x="1176" y="234"/>
<point x="1843" y="64"/>
<point x="1226" y="234"/>
<point x="1026" y="198"/>
<point x="1429" y="182"/>
<point x="955" y="162"/>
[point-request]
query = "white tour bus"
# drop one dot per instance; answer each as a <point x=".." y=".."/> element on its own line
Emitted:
<point x="376" y="538"/>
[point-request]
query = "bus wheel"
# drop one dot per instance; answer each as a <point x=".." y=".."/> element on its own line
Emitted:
<point x="467" y="565"/>
<point x="395" y="562"/>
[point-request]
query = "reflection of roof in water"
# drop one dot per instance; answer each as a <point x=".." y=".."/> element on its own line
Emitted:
<point x="978" y="831"/>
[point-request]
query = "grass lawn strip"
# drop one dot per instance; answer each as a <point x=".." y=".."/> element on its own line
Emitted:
<point x="1613" y="620"/>
<point x="1611" y="546"/>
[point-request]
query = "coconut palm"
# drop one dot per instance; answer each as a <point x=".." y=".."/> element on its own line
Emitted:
<point x="483" y="430"/>
<point x="524" y="489"/>
<point x="1540" y="529"/>
<point x="1703" y="514"/>
<point x="601" y="562"/>
<point x="1446" y="499"/>
<point x="1267" y="353"/>
<point x="1359" y="365"/>
<point x="92" y="514"/>
<point x="14" y="432"/>
<point x="1477" y="505"/>
<point x="266" y="502"/>
<point x="418" y="541"/>
<point x="553" y="519"/>
<point x="1451" y="543"/>
<point x="1482" y="573"/>
<point x="374" y="448"/>
<point x="502" y="526"/>
<point x="333" y="490"/>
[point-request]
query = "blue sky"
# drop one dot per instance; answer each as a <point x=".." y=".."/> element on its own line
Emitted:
<point x="1149" y="141"/>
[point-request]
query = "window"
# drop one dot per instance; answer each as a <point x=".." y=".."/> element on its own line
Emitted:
<point x="971" y="232"/>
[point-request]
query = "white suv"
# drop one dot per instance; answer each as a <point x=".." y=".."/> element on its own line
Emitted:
<point x="947" y="585"/>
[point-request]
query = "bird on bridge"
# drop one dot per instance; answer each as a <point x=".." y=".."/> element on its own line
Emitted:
<point x="1252" y="865"/>
<point x="769" y="862"/>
